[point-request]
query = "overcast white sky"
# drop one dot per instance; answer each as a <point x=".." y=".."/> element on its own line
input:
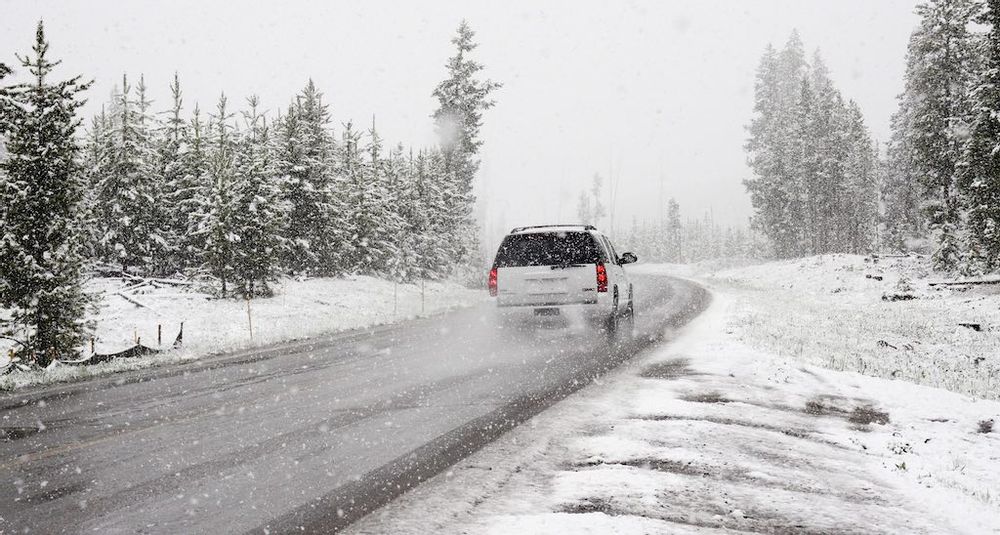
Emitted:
<point x="656" y="90"/>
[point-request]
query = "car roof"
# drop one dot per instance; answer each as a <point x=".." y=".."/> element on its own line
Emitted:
<point x="553" y="228"/>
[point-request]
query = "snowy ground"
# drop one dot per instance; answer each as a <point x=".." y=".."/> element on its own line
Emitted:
<point x="709" y="434"/>
<point x="829" y="310"/>
<point x="300" y="309"/>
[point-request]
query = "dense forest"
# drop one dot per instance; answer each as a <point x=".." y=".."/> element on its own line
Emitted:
<point x="232" y="195"/>
<point x="818" y="184"/>
<point x="814" y="186"/>
<point x="942" y="168"/>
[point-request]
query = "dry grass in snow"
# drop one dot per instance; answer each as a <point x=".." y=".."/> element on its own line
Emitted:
<point x="838" y="311"/>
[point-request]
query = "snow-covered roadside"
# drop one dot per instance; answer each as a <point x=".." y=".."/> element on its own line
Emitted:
<point x="877" y="316"/>
<point x="299" y="309"/>
<point x="710" y="435"/>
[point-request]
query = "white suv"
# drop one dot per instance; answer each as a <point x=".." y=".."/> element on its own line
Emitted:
<point x="563" y="268"/>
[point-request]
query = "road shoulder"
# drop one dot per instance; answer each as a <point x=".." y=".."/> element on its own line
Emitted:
<point x="706" y="434"/>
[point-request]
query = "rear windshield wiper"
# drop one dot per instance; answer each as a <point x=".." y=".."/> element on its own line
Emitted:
<point x="564" y="266"/>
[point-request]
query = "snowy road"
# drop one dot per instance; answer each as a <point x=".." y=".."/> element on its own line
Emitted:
<point x="306" y="435"/>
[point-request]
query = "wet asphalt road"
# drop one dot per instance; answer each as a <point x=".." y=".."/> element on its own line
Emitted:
<point x="307" y="436"/>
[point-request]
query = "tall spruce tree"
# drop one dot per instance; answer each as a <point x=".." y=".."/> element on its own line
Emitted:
<point x="939" y="73"/>
<point x="900" y="194"/>
<point x="981" y="173"/>
<point x="259" y="213"/>
<point x="188" y="193"/>
<point x="177" y="194"/>
<point x="859" y="209"/>
<point x="373" y="220"/>
<point x="217" y="223"/>
<point x="129" y="189"/>
<point x="41" y="189"/>
<point x="462" y="98"/>
<point x="306" y="163"/>
<point x="674" y="249"/>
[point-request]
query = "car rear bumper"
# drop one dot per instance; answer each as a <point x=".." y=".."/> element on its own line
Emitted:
<point x="546" y="304"/>
<point x="596" y="309"/>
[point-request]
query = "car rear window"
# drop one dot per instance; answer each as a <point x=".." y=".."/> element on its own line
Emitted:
<point x="547" y="249"/>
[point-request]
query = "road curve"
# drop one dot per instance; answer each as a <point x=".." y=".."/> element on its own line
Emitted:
<point x="308" y="435"/>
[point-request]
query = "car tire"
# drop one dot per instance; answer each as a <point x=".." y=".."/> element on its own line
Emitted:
<point x="611" y="321"/>
<point x="626" y="326"/>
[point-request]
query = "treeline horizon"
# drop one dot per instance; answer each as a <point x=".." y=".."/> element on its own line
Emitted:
<point x="672" y="239"/>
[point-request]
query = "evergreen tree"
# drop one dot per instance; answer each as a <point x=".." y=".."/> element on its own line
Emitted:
<point x="128" y="189"/>
<point x="674" y="249"/>
<point x="813" y="184"/>
<point x="171" y="147"/>
<point x="462" y="98"/>
<point x="189" y="192"/>
<point x="772" y="188"/>
<point x="404" y="204"/>
<point x="373" y="222"/>
<point x="981" y="174"/>
<point x="258" y="214"/>
<point x="305" y="159"/>
<point x="859" y="210"/>
<point x="93" y="155"/>
<point x="431" y="233"/>
<point x="899" y="190"/>
<point x="41" y="189"/>
<point x="940" y="65"/>
<point x="217" y="221"/>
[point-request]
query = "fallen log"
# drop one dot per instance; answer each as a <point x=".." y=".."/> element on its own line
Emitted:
<point x="964" y="283"/>
<point x="133" y="300"/>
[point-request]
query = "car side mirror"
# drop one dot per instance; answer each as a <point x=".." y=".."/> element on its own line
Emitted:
<point x="628" y="258"/>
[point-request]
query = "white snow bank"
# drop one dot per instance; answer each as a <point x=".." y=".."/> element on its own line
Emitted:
<point x="708" y="435"/>
<point x="299" y="309"/>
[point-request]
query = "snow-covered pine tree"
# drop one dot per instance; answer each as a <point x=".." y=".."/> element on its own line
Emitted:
<point x="859" y="208"/>
<point x="373" y="220"/>
<point x="216" y="222"/>
<point x="980" y="174"/>
<point x="675" y="251"/>
<point x="939" y="74"/>
<point x="403" y="201"/>
<point x="826" y="189"/>
<point x="258" y="218"/>
<point x="431" y="233"/>
<point x="188" y="194"/>
<point x="317" y="230"/>
<point x="93" y="154"/>
<point x="170" y="145"/>
<point x="41" y="189"/>
<point x="899" y="191"/>
<point x="161" y="259"/>
<point x="803" y="168"/>
<point x="351" y="169"/>
<point x="803" y="147"/>
<point x="462" y="98"/>
<point x="773" y="187"/>
<point x="128" y="189"/>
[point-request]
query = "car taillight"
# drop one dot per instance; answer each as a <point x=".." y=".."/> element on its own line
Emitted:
<point x="493" y="282"/>
<point x="602" y="277"/>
